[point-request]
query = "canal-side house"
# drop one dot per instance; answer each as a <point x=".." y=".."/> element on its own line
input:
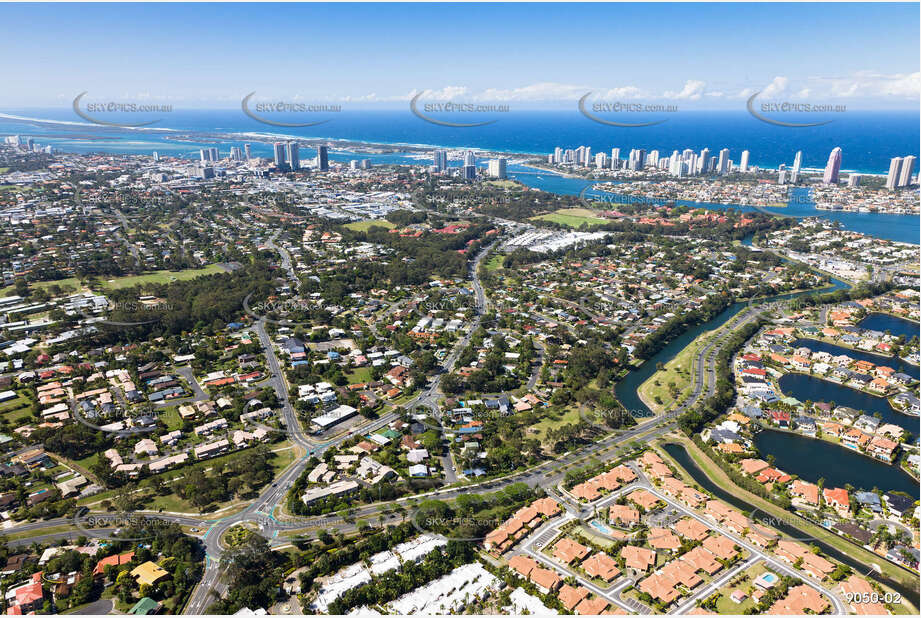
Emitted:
<point x="882" y="448"/>
<point x="908" y="403"/>
<point x="780" y="418"/>
<point x="806" y="426"/>
<point x="897" y="504"/>
<point x="867" y="423"/>
<point x="805" y="494"/>
<point x="879" y="385"/>
<point x="855" y="439"/>
<point x="869" y="500"/>
<point x="845" y="415"/>
<point x="837" y="498"/>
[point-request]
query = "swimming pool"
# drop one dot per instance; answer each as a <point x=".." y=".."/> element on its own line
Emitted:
<point x="600" y="527"/>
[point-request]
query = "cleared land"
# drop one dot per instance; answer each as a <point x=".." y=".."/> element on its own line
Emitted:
<point x="364" y="226"/>
<point x="554" y="421"/>
<point x="495" y="262"/>
<point x="159" y="276"/>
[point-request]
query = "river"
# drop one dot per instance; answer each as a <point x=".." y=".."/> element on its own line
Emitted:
<point x="900" y="228"/>
<point x="810" y="388"/>
<point x="897" y="326"/>
<point x="812" y="459"/>
<point x="877" y="359"/>
<point x="626" y="389"/>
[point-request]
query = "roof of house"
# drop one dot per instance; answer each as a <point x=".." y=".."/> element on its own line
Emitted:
<point x="149" y="573"/>
<point x="638" y="558"/>
<point x="570" y="596"/>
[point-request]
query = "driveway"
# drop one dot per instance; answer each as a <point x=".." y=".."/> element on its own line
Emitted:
<point x="100" y="607"/>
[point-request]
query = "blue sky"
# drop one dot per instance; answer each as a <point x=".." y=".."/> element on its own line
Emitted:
<point x="702" y="55"/>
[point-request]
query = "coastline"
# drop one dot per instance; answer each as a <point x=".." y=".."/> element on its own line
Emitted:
<point x="272" y="136"/>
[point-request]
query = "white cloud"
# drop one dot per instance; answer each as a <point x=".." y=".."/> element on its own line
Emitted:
<point x="870" y="84"/>
<point x="624" y="92"/>
<point x="692" y="91"/>
<point x="542" y="91"/>
<point x="866" y="84"/>
<point x="777" y="87"/>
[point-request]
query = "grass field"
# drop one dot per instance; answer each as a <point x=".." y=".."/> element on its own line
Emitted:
<point x="678" y="370"/>
<point x="39" y="532"/>
<point x="364" y="226"/>
<point x="17" y="402"/>
<point x="158" y="276"/>
<point x="573" y="217"/>
<point x="568" y="417"/>
<point x="502" y="184"/>
<point x="495" y="261"/>
<point x="359" y="374"/>
<point x="161" y="276"/>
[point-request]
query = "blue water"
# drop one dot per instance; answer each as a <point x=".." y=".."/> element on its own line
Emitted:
<point x="877" y="359"/>
<point x="897" y="326"/>
<point x="600" y="527"/>
<point x="626" y="389"/>
<point x="808" y="388"/>
<point x="868" y="139"/>
<point x="812" y="459"/>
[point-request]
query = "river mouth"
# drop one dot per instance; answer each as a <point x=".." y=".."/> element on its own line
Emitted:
<point x="680" y="454"/>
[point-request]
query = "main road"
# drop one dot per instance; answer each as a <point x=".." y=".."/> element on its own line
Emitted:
<point x="261" y="511"/>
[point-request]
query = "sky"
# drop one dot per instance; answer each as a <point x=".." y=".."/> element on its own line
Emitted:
<point x="707" y="56"/>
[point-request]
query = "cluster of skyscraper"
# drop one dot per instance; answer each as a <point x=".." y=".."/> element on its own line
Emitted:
<point x="678" y="164"/>
<point x="363" y="164"/>
<point x="495" y="168"/>
<point x="287" y="156"/>
<point x="900" y="171"/>
<point x="27" y="144"/>
<point x="209" y="154"/>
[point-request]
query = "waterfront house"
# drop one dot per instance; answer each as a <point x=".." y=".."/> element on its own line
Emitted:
<point x="855" y="439"/>
<point x="780" y="418"/>
<point x="898" y="504"/>
<point x="805" y="493"/>
<point x="846" y="415"/>
<point x="869" y="500"/>
<point x="838" y="499"/>
<point x="879" y="385"/>
<point x="867" y="423"/>
<point x="882" y="448"/>
<point x="908" y="402"/>
<point x="805" y="425"/>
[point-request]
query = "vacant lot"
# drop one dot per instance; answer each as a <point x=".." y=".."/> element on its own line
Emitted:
<point x="364" y="226"/>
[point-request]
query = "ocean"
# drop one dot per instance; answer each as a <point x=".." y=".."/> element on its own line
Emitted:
<point x="868" y="141"/>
